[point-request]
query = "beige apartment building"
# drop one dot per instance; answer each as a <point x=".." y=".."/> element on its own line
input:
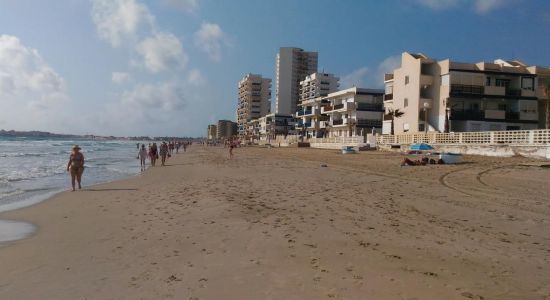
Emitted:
<point x="254" y="100"/>
<point x="293" y="65"/>
<point x="350" y="112"/>
<point x="317" y="85"/>
<point x="451" y="96"/>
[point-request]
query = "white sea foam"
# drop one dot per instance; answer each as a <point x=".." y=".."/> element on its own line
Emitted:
<point x="13" y="230"/>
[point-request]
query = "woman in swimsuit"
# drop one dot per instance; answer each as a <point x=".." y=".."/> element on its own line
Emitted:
<point x="76" y="166"/>
<point x="142" y="156"/>
<point x="163" y="152"/>
<point x="153" y="154"/>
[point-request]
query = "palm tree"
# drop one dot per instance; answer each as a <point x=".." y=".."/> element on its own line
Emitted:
<point x="394" y="114"/>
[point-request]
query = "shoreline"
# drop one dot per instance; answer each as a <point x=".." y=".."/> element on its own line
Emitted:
<point x="273" y="223"/>
<point x="24" y="232"/>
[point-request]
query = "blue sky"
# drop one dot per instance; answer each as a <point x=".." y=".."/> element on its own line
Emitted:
<point x="170" y="67"/>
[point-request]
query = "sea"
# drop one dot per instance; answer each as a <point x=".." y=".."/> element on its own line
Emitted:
<point x="34" y="169"/>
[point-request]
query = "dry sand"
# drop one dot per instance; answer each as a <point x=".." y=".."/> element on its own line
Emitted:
<point x="275" y="224"/>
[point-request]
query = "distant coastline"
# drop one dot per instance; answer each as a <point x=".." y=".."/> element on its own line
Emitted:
<point x="45" y="134"/>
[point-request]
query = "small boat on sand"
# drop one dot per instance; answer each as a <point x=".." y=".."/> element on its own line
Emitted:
<point x="348" y="150"/>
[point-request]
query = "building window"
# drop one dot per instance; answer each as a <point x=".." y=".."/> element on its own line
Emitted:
<point x="488" y="81"/>
<point x="502" y="82"/>
<point x="528" y="83"/>
<point x="405" y="102"/>
<point x="407" y="79"/>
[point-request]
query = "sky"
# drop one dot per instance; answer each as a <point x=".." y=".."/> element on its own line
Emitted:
<point x="171" y="67"/>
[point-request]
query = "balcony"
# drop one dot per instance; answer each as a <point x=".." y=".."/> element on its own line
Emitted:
<point x="304" y="112"/>
<point x="492" y="115"/>
<point x="461" y="89"/>
<point x="512" y="116"/>
<point x="388" y="97"/>
<point x="528" y="93"/>
<point x="528" y="116"/>
<point x="513" y="92"/>
<point x="338" y="106"/>
<point x="370" y="107"/>
<point x="388" y="77"/>
<point x="326" y="108"/>
<point x="495" y="90"/>
<point x="495" y="114"/>
<point x="426" y="79"/>
<point x="337" y="122"/>
<point x="475" y="115"/>
<point x="367" y="123"/>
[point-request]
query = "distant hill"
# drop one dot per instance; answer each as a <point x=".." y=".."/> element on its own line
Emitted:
<point x="13" y="133"/>
<point x="45" y="134"/>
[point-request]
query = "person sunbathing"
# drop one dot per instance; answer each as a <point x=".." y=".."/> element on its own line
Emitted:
<point x="409" y="162"/>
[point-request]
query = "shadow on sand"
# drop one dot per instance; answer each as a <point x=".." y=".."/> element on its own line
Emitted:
<point x="107" y="190"/>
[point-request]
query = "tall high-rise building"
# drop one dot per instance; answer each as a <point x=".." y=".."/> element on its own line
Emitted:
<point x="254" y="100"/>
<point x="293" y="65"/>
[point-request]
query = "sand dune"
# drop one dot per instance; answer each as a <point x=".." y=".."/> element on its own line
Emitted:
<point x="276" y="224"/>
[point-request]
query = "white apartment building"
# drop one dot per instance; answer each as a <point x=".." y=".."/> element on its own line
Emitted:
<point x="254" y="100"/>
<point x="293" y="65"/>
<point x="448" y="96"/>
<point x="350" y="112"/>
<point x="273" y="124"/>
<point x="318" y="85"/>
<point x="212" y="132"/>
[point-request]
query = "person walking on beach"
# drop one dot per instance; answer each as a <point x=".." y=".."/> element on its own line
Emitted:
<point x="163" y="153"/>
<point x="231" y="146"/>
<point x="76" y="166"/>
<point x="153" y="154"/>
<point x="142" y="156"/>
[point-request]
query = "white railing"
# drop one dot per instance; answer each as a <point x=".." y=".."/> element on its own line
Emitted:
<point x="338" y="140"/>
<point x="512" y="137"/>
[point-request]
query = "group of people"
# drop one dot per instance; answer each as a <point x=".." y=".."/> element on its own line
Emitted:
<point x="421" y="162"/>
<point x="162" y="152"/>
<point x="153" y="152"/>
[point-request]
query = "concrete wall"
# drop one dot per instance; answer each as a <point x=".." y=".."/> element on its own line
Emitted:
<point x="540" y="152"/>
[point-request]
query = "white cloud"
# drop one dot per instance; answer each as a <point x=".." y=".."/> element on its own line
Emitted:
<point x="32" y="93"/>
<point x="438" y="4"/>
<point x="371" y="77"/>
<point x="161" y="52"/>
<point x="185" y="5"/>
<point x="485" y="6"/>
<point x="389" y="64"/>
<point x="355" y="78"/>
<point x="167" y="96"/>
<point x="120" y="77"/>
<point x="26" y="77"/>
<point x="118" y="20"/>
<point x="210" y="38"/>
<point x="195" y="77"/>
<point x="479" y="6"/>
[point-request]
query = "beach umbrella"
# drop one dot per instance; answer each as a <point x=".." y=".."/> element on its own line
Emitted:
<point x="421" y="146"/>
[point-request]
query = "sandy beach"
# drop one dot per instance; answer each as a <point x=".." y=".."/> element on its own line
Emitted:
<point x="276" y="224"/>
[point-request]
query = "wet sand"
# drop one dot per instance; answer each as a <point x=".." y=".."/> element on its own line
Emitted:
<point x="276" y="224"/>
